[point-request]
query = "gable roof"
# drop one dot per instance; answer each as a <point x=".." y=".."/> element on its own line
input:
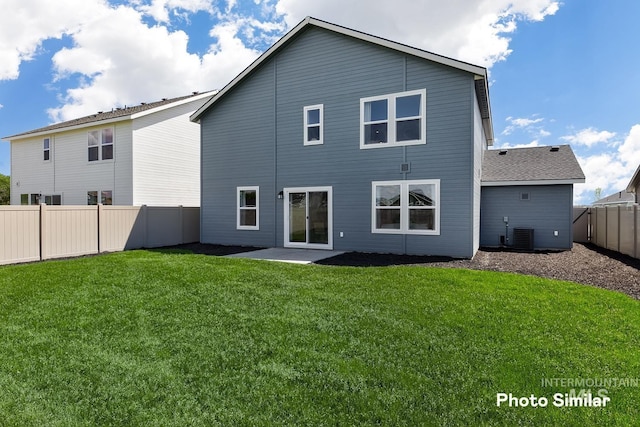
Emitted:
<point x="531" y="166"/>
<point x="619" y="198"/>
<point x="480" y="73"/>
<point x="115" y="115"/>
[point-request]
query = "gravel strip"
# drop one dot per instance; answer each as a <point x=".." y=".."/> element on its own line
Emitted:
<point x="586" y="264"/>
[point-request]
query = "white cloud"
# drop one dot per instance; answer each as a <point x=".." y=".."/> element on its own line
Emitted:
<point x="470" y="31"/>
<point x="160" y="10"/>
<point x="610" y="171"/>
<point x="25" y="24"/>
<point x="589" y="137"/>
<point x="525" y="128"/>
<point x="126" y="62"/>
<point x="534" y="143"/>
<point x="529" y="124"/>
<point x="117" y="58"/>
<point x="524" y="122"/>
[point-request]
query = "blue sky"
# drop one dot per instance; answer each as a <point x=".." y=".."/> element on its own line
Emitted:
<point x="561" y="72"/>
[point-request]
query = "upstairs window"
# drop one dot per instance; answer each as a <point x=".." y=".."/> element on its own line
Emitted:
<point x="100" y="144"/>
<point x="392" y="120"/>
<point x="313" y="124"/>
<point x="46" y="149"/>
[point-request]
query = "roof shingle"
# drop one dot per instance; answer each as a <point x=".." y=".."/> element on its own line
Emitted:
<point x="106" y="115"/>
<point x="532" y="164"/>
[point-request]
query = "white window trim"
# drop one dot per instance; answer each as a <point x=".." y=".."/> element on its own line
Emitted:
<point x="319" y="107"/>
<point x="47" y="149"/>
<point x="391" y="119"/>
<point x="101" y="145"/>
<point x="257" y="208"/>
<point x="287" y="242"/>
<point x="99" y="197"/>
<point x="404" y="207"/>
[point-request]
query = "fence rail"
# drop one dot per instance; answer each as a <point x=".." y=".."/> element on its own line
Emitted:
<point x="33" y="233"/>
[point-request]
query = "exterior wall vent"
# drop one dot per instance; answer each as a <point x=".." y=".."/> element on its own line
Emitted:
<point x="405" y="167"/>
<point x="523" y="239"/>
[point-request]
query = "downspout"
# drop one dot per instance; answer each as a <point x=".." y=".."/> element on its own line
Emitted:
<point x="115" y="152"/>
<point x="52" y="154"/>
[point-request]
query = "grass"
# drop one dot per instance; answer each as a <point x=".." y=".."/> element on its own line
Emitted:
<point x="161" y="339"/>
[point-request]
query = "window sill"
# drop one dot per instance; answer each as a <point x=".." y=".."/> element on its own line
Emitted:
<point x="391" y="144"/>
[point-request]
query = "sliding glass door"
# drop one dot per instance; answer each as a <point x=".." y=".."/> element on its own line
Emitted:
<point x="308" y="217"/>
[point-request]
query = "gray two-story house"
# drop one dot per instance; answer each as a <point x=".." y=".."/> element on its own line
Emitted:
<point x="336" y="139"/>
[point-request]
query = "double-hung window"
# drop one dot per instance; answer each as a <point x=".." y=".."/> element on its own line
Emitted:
<point x="248" y="209"/>
<point x="100" y="144"/>
<point x="392" y="120"/>
<point x="46" y="149"/>
<point x="313" y="124"/>
<point x="406" y="207"/>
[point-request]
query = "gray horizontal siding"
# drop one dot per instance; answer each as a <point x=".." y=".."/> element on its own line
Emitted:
<point x="549" y="209"/>
<point x="237" y="150"/>
<point x="320" y="67"/>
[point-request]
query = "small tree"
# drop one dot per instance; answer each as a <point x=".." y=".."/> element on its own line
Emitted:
<point x="598" y="193"/>
<point x="5" y="188"/>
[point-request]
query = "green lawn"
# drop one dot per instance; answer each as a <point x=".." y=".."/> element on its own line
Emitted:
<point x="160" y="339"/>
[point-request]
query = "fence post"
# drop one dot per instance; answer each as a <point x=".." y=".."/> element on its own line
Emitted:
<point x="635" y="231"/>
<point x="99" y="215"/>
<point x="40" y="237"/>
<point x="145" y="215"/>
<point x="180" y="214"/>
<point x="619" y="227"/>
<point x="606" y="225"/>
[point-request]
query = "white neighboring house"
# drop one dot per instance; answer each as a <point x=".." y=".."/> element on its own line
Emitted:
<point x="148" y="154"/>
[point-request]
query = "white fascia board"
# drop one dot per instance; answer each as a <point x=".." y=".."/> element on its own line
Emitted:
<point x="533" y="182"/>
<point x="173" y="104"/>
<point x="70" y="128"/>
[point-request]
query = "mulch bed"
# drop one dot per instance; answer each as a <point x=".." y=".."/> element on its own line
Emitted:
<point x="585" y="263"/>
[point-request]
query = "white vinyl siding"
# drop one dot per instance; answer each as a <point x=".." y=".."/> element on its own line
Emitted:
<point x="166" y="158"/>
<point x="30" y="174"/>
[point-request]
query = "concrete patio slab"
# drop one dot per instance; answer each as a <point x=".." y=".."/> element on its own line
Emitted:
<point x="296" y="256"/>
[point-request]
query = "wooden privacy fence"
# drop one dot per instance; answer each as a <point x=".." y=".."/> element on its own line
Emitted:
<point x="33" y="233"/>
<point x="616" y="228"/>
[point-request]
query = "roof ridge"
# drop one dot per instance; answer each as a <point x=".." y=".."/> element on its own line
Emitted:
<point x="114" y="113"/>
